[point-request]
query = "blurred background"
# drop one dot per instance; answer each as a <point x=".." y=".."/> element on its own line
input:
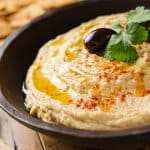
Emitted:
<point x="16" y="13"/>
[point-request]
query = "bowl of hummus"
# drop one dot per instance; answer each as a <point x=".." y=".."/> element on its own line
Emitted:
<point x="82" y="72"/>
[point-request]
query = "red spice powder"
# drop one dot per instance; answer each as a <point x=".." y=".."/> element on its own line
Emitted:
<point x="90" y="104"/>
<point x="87" y="104"/>
<point x="122" y="97"/>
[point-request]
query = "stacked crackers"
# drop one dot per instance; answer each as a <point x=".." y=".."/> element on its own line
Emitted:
<point x="15" y="13"/>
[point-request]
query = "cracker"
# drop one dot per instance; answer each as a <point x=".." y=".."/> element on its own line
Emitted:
<point x="8" y="6"/>
<point x="2" y="41"/>
<point x="48" y="4"/>
<point x="23" y="3"/>
<point x="5" y="28"/>
<point x="35" y="10"/>
<point x="16" y="13"/>
<point x="25" y="15"/>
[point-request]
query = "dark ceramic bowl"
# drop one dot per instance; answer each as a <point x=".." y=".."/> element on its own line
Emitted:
<point x="20" y="49"/>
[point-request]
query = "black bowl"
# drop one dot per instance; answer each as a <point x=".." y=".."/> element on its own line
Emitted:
<point x="20" y="49"/>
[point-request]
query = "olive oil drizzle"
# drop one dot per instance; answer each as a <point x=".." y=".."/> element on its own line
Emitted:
<point x="140" y="86"/>
<point x="43" y="84"/>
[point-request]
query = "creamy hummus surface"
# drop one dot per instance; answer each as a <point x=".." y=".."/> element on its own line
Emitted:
<point x="67" y="85"/>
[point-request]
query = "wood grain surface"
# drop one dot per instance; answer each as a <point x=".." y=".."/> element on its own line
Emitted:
<point x="15" y="136"/>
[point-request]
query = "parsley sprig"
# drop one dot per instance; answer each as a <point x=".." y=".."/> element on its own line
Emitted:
<point x="120" y="46"/>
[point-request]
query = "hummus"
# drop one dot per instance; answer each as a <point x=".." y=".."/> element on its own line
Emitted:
<point x="67" y="85"/>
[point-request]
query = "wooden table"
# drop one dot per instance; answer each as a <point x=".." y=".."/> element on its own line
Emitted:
<point x="15" y="136"/>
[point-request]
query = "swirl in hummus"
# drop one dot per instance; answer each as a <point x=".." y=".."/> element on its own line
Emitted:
<point x="68" y="85"/>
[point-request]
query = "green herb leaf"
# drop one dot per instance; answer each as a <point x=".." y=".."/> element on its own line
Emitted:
<point x="128" y="55"/>
<point x="139" y="15"/>
<point x="136" y="33"/>
<point x="120" y="47"/>
<point x="116" y="27"/>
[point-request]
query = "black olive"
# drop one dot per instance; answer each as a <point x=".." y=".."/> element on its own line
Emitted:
<point x="97" y="40"/>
